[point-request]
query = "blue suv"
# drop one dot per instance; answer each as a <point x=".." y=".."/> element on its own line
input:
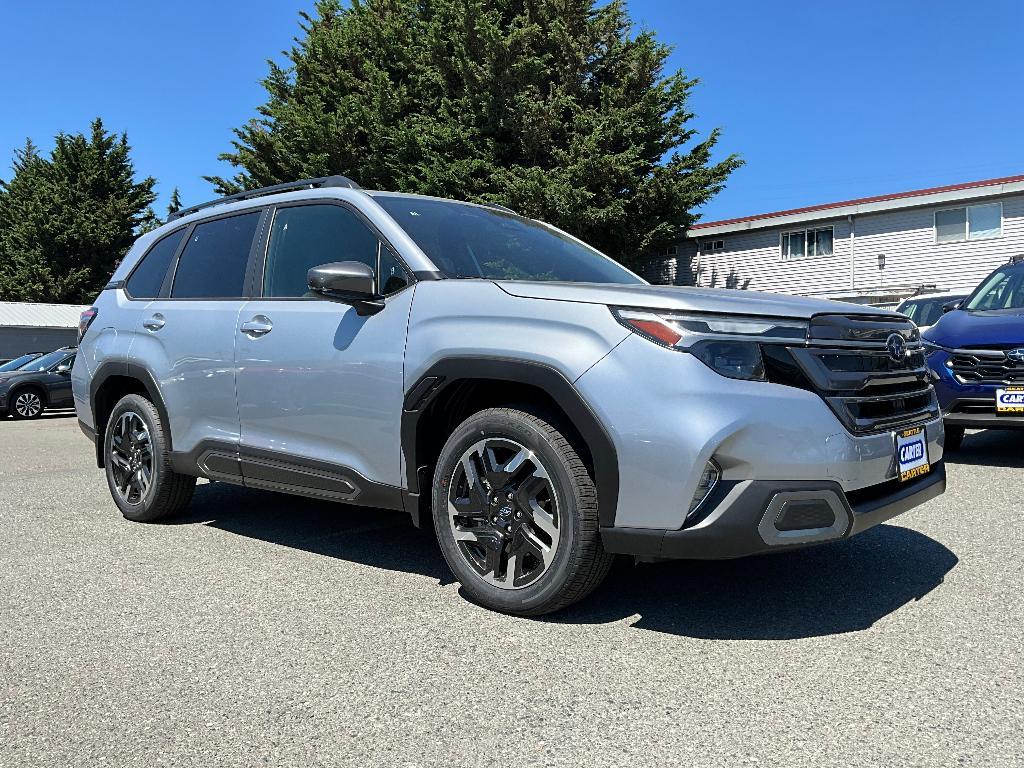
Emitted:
<point x="976" y="353"/>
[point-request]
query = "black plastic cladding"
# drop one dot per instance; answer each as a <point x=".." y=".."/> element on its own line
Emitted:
<point x="450" y="371"/>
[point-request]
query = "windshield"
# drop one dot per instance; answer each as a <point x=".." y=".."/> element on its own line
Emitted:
<point x="47" y="360"/>
<point x="926" y="311"/>
<point x="16" y="363"/>
<point x="1003" y="289"/>
<point x="470" y="241"/>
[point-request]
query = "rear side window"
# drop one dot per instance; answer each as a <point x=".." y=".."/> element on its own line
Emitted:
<point x="306" y="236"/>
<point x="148" y="276"/>
<point x="215" y="257"/>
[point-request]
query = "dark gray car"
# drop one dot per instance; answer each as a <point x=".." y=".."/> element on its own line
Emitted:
<point x="43" y="383"/>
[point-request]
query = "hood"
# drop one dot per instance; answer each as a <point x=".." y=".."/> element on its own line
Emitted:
<point x="686" y="299"/>
<point x="960" y="328"/>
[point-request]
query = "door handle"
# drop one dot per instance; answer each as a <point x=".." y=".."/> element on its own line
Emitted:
<point x="258" y="326"/>
<point x="155" y="323"/>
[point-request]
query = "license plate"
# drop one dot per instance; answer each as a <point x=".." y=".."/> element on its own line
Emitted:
<point x="1009" y="400"/>
<point x="912" y="453"/>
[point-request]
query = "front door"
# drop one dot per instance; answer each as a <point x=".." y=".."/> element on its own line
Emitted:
<point x="58" y="384"/>
<point x="187" y="339"/>
<point x="319" y="385"/>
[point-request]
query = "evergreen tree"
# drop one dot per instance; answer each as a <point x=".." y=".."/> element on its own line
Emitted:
<point x="67" y="220"/>
<point x="175" y="203"/>
<point x="555" y="108"/>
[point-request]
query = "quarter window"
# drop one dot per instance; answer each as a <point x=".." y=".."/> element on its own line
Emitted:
<point x="148" y="277"/>
<point x="391" y="276"/>
<point x="971" y="222"/>
<point x="307" y="236"/>
<point x="807" y="242"/>
<point x="214" y="260"/>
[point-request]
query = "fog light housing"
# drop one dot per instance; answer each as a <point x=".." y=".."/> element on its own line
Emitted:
<point x="708" y="480"/>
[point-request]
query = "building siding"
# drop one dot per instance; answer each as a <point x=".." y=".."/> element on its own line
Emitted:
<point x="906" y="237"/>
<point x="15" y="342"/>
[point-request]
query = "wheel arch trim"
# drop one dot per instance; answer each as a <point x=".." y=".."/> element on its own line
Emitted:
<point x="125" y="369"/>
<point x="450" y="370"/>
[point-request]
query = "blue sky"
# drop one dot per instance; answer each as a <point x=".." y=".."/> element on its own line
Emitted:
<point x="824" y="100"/>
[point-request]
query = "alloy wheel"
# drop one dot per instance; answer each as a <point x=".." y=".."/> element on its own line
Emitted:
<point x="28" y="405"/>
<point x="503" y="513"/>
<point x="131" y="457"/>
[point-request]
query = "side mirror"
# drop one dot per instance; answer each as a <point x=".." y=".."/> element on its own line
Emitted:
<point x="62" y="368"/>
<point x="950" y="306"/>
<point x="350" y="281"/>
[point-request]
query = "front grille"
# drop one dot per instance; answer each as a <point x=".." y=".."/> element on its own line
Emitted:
<point x="847" y="363"/>
<point x="985" y="366"/>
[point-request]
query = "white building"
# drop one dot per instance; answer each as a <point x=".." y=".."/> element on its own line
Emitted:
<point x="28" y="327"/>
<point x="872" y="250"/>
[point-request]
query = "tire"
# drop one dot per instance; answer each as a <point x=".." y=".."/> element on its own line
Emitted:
<point x="167" y="491"/>
<point x="27" y="403"/>
<point x="523" y="535"/>
<point x="954" y="438"/>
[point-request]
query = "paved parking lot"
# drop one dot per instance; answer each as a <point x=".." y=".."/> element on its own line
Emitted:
<point x="264" y="629"/>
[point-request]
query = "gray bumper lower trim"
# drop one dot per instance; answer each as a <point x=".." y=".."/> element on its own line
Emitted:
<point x="736" y="532"/>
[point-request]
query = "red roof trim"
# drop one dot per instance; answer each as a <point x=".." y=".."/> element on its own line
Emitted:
<point x="861" y="200"/>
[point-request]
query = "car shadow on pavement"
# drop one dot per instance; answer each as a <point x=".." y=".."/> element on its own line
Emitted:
<point x="991" y="447"/>
<point x="381" y="538"/>
<point x="826" y="590"/>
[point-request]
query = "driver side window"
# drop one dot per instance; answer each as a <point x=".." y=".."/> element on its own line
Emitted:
<point x="306" y="236"/>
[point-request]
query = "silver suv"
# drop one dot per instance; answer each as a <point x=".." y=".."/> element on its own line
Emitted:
<point x="544" y="406"/>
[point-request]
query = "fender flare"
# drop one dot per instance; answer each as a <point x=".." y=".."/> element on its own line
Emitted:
<point x="132" y="371"/>
<point x="450" y="370"/>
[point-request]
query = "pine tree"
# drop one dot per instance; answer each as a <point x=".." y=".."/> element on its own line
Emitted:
<point x="555" y="108"/>
<point x="67" y="220"/>
<point x="175" y="203"/>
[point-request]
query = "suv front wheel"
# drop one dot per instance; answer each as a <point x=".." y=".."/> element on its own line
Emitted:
<point x="138" y="470"/>
<point x="515" y="510"/>
<point x="27" y="403"/>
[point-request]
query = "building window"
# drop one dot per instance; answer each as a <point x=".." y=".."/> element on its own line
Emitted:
<point x="672" y="250"/>
<point x="807" y="242"/>
<point x="972" y="222"/>
<point x="713" y="246"/>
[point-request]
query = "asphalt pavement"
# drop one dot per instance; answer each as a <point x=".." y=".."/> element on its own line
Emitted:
<point x="262" y="629"/>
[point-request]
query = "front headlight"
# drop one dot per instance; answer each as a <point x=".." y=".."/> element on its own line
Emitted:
<point x="728" y="344"/>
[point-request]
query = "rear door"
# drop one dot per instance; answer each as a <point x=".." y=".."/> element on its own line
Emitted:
<point x="187" y="335"/>
<point x="319" y="385"/>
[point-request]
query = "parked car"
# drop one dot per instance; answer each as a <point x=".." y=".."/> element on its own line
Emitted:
<point x="976" y="351"/>
<point x="18" y="362"/>
<point x="541" y="404"/>
<point x="41" y="383"/>
<point x="926" y="309"/>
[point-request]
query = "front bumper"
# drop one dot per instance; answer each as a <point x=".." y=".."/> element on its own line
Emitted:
<point x="746" y="514"/>
<point x="679" y="414"/>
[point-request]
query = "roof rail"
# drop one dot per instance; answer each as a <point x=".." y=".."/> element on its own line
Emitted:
<point x="291" y="186"/>
<point x="499" y="207"/>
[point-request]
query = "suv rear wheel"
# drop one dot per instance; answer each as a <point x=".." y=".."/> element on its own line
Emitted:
<point x="515" y="511"/>
<point x="139" y="474"/>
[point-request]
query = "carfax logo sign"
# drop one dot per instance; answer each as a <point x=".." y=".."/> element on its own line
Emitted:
<point x="912" y="453"/>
